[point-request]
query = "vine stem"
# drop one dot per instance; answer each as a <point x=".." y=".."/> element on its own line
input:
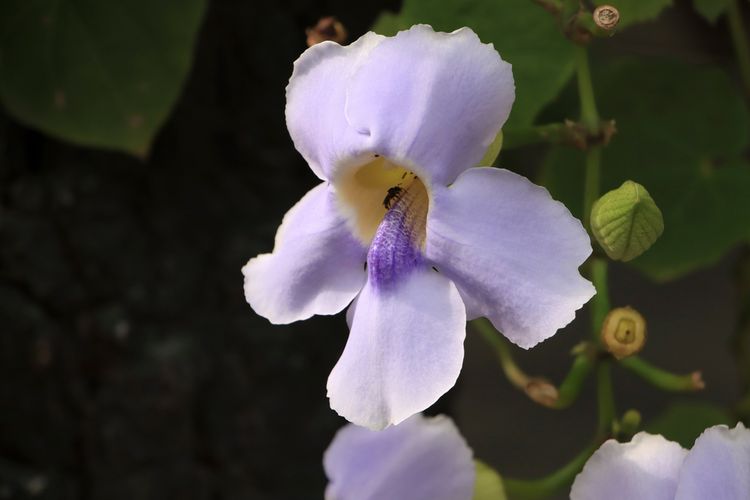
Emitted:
<point x="740" y="42"/>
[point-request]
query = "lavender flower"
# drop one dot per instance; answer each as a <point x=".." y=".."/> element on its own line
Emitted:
<point x="420" y="459"/>
<point x="651" y="467"/>
<point x="404" y="224"/>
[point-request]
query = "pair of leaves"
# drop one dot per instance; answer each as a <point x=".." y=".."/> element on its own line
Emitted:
<point x="102" y="74"/>
<point x="682" y="131"/>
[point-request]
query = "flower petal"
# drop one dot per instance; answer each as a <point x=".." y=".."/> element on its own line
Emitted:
<point x="431" y="100"/>
<point x="317" y="266"/>
<point x="645" y="468"/>
<point x="718" y="466"/>
<point x="512" y="251"/>
<point x="420" y="459"/>
<point x="315" y="100"/>
<point x="404" y="351"/>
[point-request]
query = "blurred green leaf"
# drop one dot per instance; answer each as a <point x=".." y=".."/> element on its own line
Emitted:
<point x="525" y="35"/>
<point x="685" y="421"/>
<point x="488" y="484"/>
<point x="711" y="9"/>
<point x="101" y="74"/>
<point x="681" y="133"/>
<point x="636" y="11"/>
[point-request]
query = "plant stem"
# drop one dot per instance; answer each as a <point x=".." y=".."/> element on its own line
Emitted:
<point x="740" y="42"/>
<point x="600" y="304"/>
<point x="571" y="386"/>
<point x="589" y="114"/>
<point x="592" y="182"/>
<point x="661" y="378"/>
<point x="605" y="398"/>
<point x="513" y="373"/>
<point x="552" y="483"/>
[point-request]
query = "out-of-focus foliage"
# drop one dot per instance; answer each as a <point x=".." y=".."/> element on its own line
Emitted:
<point x="102" y="74"/>
<point x="525" y="35"/>
<point x="685" y="145"/>
<point x="711" y="9"/>
<point x="685" y="421"/>
<point x="626" y="221"/>
<point x="636" y="11"/>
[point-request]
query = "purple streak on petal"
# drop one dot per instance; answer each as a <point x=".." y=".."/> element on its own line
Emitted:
<point x="395" y="249"/>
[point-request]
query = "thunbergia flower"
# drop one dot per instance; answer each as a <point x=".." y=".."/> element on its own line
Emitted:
<point x="392" y="126"/>
<point x="651" y="467"/>
<point x="422" y="459"/>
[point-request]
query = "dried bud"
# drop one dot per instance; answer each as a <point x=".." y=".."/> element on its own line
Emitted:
<point x="606" y="17"/>
<point x="328" y="28"/>
<point x="623" y="332"/>
<point x="542" y="392"/>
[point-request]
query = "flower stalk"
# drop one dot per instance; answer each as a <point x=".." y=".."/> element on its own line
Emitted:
<point x="740" y="42"/>
<point x="663" y="379"/>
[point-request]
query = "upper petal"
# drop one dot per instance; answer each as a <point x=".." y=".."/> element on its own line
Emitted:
<point x="432" y="100"/>
<point x="420" y="459"/>
<point x="404" y="351"/>
<point x="512" y="251"/>
<point x="645" y="468"/>
<point x="315" y="100"/>
<point x="317" y="266"/>
<point x="718" y="466"/>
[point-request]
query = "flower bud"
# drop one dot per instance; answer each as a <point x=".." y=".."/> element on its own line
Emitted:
<point x="328" y="28"/>
<point x="623" y="332"/>
<point x="626" y="221"/>
<point x="606" y="17"/>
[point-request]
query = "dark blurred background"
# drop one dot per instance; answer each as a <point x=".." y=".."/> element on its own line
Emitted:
<point x="131" y="366"/>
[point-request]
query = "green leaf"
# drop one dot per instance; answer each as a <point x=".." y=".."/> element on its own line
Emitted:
<point x="711" y="9"/>
<point x="685" y="421"/>
<point x="523" y="33"/>
<point x="488" y="485"/>
<point x="626" y="221"/>
<point x="681" y="133"/>
<point x="636" y="11"/>
<point x="101" y="74"/>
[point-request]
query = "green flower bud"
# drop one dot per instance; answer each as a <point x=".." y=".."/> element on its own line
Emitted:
<point x="488" y="484"/>
<point x="623" y="332"/>
<point x="626" y="221"/>
<point x="493" y="151"/>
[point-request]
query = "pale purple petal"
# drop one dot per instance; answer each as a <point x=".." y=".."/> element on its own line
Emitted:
<point x="419" y="459"/>
<point x="434" y="101"/>
<point x="718" y="466"/>
<point x="315" y="100"/>
<point x="645" y="468"/>
<point x="404" y="351"/>
<point x="317" y="267"/>
<point x="512" y="251"/>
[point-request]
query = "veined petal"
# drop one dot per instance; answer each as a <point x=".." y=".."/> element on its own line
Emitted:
<point x="431" y="100"/>
<point x="645" y="468"/>
<point x="512" y="251"/>
<point x="317" y="266"/>
<point x="420" y="459"/>
<point x="718" y="466"/>
<point x="315" y="100"/>
<point x="404" y="351"/>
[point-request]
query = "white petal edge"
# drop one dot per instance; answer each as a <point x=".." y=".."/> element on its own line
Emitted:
<point x="645" y="468"/>
<point x="422" y="458"/>
<point x="405" y="350"/>
<point x="316" y="267"/>
<point x="512" y="250"/>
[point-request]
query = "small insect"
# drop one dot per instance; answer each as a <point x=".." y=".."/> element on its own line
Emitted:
<point x="393" y="194"/>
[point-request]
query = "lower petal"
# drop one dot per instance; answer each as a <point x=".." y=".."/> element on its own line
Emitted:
<point x="718" y="466"/>
<point x="317" y="267"/>
<point x="645" y="468"/>
<point x="405" y="350"/>
<point x="512" y="251"/>
<point x="424" y="458"/>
